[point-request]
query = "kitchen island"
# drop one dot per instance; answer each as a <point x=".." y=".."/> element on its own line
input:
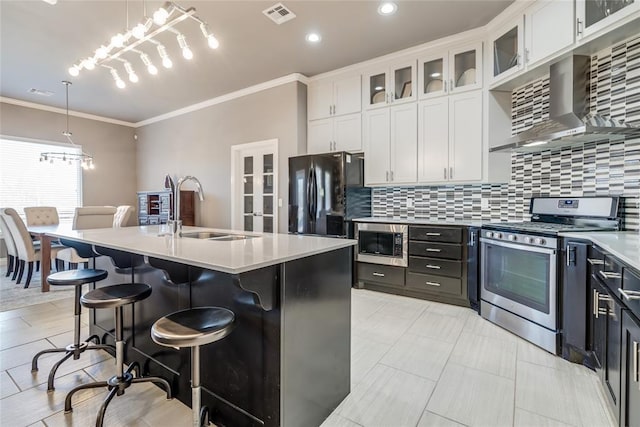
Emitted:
<point x="286" y="363"/>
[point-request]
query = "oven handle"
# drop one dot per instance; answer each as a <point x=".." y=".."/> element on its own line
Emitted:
<point x="548" y="251"/>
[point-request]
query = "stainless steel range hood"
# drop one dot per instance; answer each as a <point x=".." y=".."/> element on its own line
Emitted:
<point x="569" y="120"/>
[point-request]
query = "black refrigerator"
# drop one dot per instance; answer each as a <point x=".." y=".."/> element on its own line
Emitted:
<point x="326" y="191"/>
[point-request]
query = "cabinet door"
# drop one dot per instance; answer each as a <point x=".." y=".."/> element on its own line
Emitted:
<point x="465" y="68"/>
<point x="403" y="78"/>
<point x="539" y="18"/>
<point x="375" y="88"/>
<point x="612" y="369"/>
<point x="630" y="398"/>
<point x="347" y="95"/>
<point x="404" y="144"/>
<point x="597" y="325"/>
<point x="600" y="16"/>
<point x="507" y="49"/>
<point x="376" y="146"/>
<point x="433" y="72"/>
<point x="433" y="140"/>
<point x="320" y="100"/>
<point x="320" y="136"/>
<point x="465" y="136"/>
<point x="347" y="133"/>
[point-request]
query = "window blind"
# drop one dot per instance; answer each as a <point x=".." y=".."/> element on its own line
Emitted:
<point x="26" y="181"/>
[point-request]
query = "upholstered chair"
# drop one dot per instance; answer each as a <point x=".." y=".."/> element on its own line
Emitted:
<point x="124" y="216"/>
<point x="85" y="218"/>
<point x="12" y="252"/>
<point x="41" y="215"/>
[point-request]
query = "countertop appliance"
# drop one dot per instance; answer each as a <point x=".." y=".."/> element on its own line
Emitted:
<point x="519" y="264"/>
<point x="386" y="244"/>
<point x="326" y="192"/>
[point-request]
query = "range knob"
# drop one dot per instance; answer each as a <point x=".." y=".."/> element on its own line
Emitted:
<point x="489" y="234"/>
<point x="498" y="235"/>
<point x="512" y="237"/>
<point x="528" y="240"/>
<point x="540" y="241"/>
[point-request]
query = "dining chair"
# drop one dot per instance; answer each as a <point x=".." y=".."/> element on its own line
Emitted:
<point x="41" y="215"/>
<point x="123" y="216"/>
<point x="12" y="252"/>
<point x="27" y="253"/>
<point x="85" y="218"/>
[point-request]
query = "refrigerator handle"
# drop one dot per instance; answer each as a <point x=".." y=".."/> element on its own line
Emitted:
<point x="314" y="195"/>
<point x="309" y="193"/>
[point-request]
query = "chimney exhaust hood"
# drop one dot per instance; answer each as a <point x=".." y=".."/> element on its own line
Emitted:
<point x="569" y="120"/>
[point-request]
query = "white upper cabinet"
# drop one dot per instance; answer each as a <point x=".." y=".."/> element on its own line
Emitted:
<point x="596" y="16"/>
<point x="390" y="84"/>
<point x="333" y="97"/>
<point x="340" y="133"/>
<point x="549" y="28"/>
<point x="507" y="52"/>
<point x="433" y="140"/>
<point x="450" y="71"/>
<point x="377" y="146"/>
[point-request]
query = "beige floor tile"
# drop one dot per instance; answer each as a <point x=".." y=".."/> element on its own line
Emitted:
<point x="25" y="379"/>
<point x="31" y="309"/>
<point x="418" y="355"/>
<point x="102" y="371"/>
<point x="531" y="353"/>
<point x="429" y="419"/>
<point x="451" y="310"/>
<point x="492" y="355"/>
<point x="529" y="419"/>
<point x="7" y="386"/>
<point x="66" y="338"/>
<point x="479" y="326"/>
<point x="335" y="420"/>
<point x="365" y="354"/>
<point x="405" y="308"/>
<point x="387" y="397"/>
<point x="12" y="324"/>
<point x="364" y="306"/>
<point x="29" y="406"/>
<point x="22" y="354"/>
<point x="170" y="413"/>
<point x="38" y="424"/>
<point x="473" y="397"/>
<point x="438" y="326"/>
<point x="24" y="336"/>
<point x="381" y="328"/>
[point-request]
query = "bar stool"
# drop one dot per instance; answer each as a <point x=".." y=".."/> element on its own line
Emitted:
<point x="193" y="328"/>
<point x="116" y="296"/>
<point x="75" y="278"/>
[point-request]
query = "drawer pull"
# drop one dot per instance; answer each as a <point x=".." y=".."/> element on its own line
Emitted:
<point x="435" y="267"/>
<point x="432" y="283"/>
<point x="635" y="362"/>
<point x="433" y="234"/>
<point x="595" y="303"/>
<point x="610" y="275"/>
<point x="433" y="250"/>
<point x="595" y="261"/>
<point x="629" y="295"/>
<point x="378" y="274"/>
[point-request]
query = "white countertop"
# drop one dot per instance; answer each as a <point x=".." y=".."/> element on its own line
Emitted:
<point x="624" y="245"/>
<point x="397" y="220"/>
<point x="227" y="256"/>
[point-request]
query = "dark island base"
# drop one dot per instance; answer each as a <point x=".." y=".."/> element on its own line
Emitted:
<point x="287" y="361"/>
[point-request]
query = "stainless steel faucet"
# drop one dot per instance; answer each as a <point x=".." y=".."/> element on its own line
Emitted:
<point x="175" y="225"/>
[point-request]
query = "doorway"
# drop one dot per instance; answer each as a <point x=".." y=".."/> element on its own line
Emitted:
<point x="254" y="186"/>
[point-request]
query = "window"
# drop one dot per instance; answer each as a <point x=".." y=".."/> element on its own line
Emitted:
<point x="26" y="181"/>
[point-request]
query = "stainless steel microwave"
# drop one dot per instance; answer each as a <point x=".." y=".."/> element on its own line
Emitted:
<point x="382" y="243"/>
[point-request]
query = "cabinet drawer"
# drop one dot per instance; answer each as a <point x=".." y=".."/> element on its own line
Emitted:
<point x="435" y="250"/>
<point x="595" y="260"/>
<point x="435" y="266"/>
<point x="631" y="286"/>
<point x="439" y="284"/>
<point x="381" y="274"/>
<point x="436" y="234"/>
<point x="611" y="274"/>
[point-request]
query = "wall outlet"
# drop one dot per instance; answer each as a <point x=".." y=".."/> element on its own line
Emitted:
<point x="484" y="203"/>
<point x="409" y="203"/>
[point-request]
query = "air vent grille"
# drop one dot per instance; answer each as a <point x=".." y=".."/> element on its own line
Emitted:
<point x="40" y="92"/>
<point x="279" y="13"/>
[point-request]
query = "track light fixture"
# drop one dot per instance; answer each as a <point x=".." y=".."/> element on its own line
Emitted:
<point x="85" y="160"/>
<point x="123" y="44"/>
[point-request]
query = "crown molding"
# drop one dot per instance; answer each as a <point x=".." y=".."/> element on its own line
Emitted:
<point x="63" y="111"/>
<point x="294" y="77"/>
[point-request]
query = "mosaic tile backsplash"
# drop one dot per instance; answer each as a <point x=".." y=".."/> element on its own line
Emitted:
<point x="593" y="169"/>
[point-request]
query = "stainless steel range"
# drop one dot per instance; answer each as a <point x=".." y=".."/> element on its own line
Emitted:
<point x="519" y="264"/>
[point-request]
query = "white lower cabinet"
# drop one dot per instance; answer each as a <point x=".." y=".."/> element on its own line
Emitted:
<point x="342" y="133"/>
<point x="450" y="139"/>
<point x="391" y="143"/>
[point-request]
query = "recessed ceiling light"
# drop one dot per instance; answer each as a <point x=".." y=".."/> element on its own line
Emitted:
<point x="313" y="37"/>
<point x="387" y="8"/>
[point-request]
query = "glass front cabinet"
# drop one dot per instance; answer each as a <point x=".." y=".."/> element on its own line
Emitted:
<point x="507" y="50"/>
<point x="390" y="85"/>
<point x="596" y="15"/>
<point x="450" y="72"/>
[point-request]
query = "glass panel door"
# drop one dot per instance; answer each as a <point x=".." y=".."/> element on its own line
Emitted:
<point x="465" y="70"/>
<point x="267" y="193"/>
<point x="597" y="10"/>
<point x="506" y="52"/>
<point x="377" y="89"/>
<point x="434" y="77"/>
<point x="404" y="78"/>
<point x="248" y="193"/>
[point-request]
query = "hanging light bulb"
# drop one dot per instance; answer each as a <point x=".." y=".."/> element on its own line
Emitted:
<point x="147" y="62"/>
<point x="89" y="63"/>
<point x="211" y="39"/>
<point x="102" y="52"/>
<point x="161" y="15"/>
<point x="186" y="52"/>
<point x="117" y="40"/>
<point x="133" y="77"/>
<point x="119" y="82"/>
<point x="74" y="70"/>
<point x="166" y="61"/>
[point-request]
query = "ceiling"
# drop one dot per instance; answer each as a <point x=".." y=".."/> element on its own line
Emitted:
<point x="39" y="42"/>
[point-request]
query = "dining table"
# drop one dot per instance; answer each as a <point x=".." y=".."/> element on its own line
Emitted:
<point x="43" y="234"/>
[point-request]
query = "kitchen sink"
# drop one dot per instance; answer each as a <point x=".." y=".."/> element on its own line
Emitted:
<point x="231" y="237"/>
<point x="213" y="235"/>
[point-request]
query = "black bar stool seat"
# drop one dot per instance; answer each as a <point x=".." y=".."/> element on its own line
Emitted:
<point x="116" y="296"/>
<point x="75" y="278"/>
<point x="193" y="328"/>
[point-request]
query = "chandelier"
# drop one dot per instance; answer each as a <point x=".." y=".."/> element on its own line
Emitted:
<point x="77" y="156"/>
<point x="123" y="46"/>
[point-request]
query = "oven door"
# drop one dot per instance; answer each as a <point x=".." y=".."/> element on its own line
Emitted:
<point x="520" y="279"/>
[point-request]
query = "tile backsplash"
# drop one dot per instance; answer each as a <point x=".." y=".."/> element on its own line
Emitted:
<point x="593" y="169"/>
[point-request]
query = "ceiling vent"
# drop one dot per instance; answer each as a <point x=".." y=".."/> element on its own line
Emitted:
<point x="40" y="92"/>
<point x="279" y="13"/>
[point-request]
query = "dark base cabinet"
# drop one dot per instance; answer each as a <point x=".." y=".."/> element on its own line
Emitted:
<point x="630" y="398"/>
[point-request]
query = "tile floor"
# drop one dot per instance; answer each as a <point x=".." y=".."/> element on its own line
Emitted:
<point x="414" y="363"/>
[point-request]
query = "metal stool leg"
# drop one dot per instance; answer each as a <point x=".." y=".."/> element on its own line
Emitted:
<point x="196" y="402"/>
